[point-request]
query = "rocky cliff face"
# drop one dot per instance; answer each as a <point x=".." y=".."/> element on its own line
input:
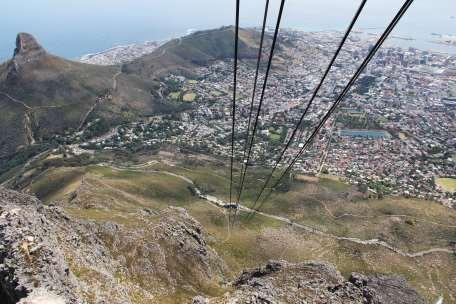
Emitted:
<point x="27" y="46"/>
<point x="30" y="254"/>
<point x="27" y="50"/>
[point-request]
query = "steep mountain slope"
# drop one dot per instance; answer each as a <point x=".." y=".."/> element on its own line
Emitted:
<point x="41" y="95"/>
<point x="321" y="219"/>
<point x="197" y="49"/>
<point x="159" y="257"/>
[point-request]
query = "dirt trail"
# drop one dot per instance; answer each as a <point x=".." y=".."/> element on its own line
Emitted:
<point x="220" y="203"/>
<point x="100" y="99"/>
<point x="114" y="80"/>
<point x="22" y="103"/>
<point x="86" y="115"/>
<point x="15" y="100"/>
<point x="28" y="128"/>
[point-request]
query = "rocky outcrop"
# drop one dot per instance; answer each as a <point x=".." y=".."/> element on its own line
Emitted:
<point x="167" y="256"/>
<point x="385" y="289"/>
<point x="47" y="254"/>
<point x="41" y="296"/>
<point x="30" y="255"/>
<point x="314" y="282"/>
<point x="27" y="47"/>
<point x="27" y="50"/>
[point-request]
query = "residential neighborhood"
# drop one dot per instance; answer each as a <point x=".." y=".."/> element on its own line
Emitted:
<point x="394" y="133"/>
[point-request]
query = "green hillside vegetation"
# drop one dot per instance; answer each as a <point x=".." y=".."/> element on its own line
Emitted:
<point x="277" y="135"/>
<point x="197" y="49"/>
<point x="42" y="95"/>
<point x="174" y="95"/>
<point x="447" y="184"/>
<point x="117" y="194"/>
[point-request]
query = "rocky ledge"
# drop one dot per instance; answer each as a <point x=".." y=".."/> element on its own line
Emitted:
<point x="314" y="282"/>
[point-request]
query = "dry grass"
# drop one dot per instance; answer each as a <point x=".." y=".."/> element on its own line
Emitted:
<point x="409" y="224"/>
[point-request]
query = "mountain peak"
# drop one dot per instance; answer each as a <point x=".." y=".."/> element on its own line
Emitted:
<point x="27" y="45"/>
<point x="27" y="50"/>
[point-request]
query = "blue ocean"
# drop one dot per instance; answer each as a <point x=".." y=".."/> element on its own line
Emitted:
<point x="73" y="28"/>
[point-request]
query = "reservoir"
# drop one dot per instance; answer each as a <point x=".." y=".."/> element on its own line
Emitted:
<point x="369" y="134"/>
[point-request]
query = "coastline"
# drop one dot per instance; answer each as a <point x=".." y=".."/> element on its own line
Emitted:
<point x="119" y="54"/>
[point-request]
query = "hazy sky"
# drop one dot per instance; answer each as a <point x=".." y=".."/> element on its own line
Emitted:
<point x="71" y="28"/>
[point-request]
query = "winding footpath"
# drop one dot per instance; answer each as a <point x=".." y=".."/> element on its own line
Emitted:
<point x="27" y="107"/>
<point x="99" y="100"/>
<point x="15" y="100"/>
<point x="86" y="115"/>
<point x="221" y="204"/>
<point x="114" y="80"/>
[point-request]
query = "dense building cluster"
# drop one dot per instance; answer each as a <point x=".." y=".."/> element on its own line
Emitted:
<point x="395" y="133"/>
<point x="120" y="54"/>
